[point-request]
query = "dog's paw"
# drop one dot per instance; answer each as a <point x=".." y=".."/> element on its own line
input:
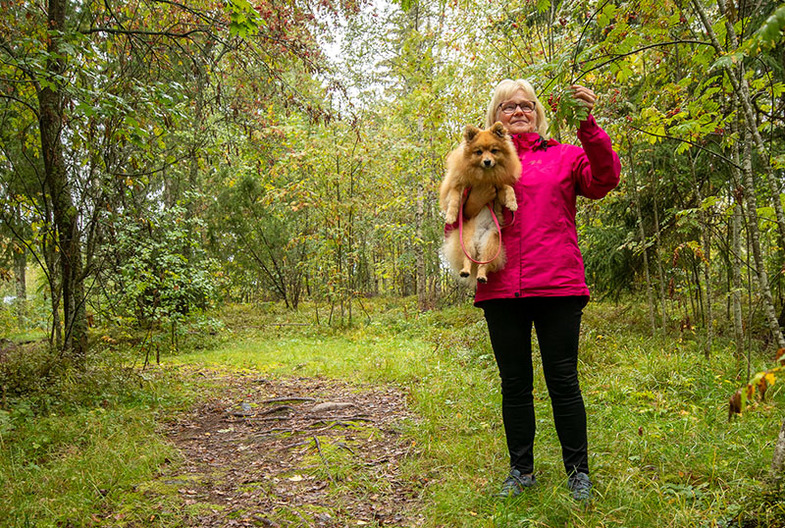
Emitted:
<point x="512" y="206"/>
<point x="464" y="274"/>
<point x="482" y="279"/>
<point x="450" y="218"/>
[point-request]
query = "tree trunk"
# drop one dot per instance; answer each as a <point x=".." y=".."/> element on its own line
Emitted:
<point x="778" y="460"/>
<point x="642" y="234"/>
<point x="760" y="266"/>
<point x="51" y="121"/>
<point x="738" y="325"/>
<point x="736" y="262"/>
<point x="419" y="248"/>
<point x="20" y="273"/>
<point x="51" y="260"/>
<point x="706" y="261"/>
<point x="20" y="280"/>
<point x="660" y="270"/>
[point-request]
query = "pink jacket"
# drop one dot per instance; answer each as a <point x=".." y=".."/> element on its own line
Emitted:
<point x="541" y="242"/>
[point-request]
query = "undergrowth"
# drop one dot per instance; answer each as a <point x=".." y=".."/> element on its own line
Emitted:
<point x="76" y="440"/>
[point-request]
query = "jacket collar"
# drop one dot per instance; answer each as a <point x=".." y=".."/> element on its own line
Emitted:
<point x="532" y="141"/>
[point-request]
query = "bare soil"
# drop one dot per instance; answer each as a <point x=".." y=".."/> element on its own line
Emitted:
<point x="294" y="452"/>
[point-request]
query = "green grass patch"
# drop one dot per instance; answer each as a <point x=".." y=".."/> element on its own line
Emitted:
<point x="66" y="469"/>
<point x="77" y="443"/>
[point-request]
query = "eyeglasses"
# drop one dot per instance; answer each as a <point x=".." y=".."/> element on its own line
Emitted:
<point x="527" y="107"/>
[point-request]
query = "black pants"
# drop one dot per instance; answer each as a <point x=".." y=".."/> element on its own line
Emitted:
<point x="557" y="321"/>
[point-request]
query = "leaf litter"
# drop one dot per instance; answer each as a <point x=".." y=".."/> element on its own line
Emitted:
<point x="294" y="452"/>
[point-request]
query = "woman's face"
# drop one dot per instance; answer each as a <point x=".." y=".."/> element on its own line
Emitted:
<point x="517" y="114"/>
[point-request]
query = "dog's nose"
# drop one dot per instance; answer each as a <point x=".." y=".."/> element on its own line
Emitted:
<point x="487" y="162"/>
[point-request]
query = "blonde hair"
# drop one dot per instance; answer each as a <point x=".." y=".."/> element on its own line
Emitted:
<point x="504" y="90"/>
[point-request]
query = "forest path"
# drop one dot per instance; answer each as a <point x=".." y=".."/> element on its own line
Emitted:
<point x="292" y="452"/>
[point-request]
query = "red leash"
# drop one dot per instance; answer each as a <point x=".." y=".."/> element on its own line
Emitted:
<point x="460" y="234"/>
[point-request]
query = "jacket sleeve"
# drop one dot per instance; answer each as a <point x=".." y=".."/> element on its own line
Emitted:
<point x="596" y="170"/>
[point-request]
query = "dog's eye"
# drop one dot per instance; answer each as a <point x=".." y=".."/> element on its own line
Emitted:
<point x="495" y="151"/>
<point x="478" y="152"/>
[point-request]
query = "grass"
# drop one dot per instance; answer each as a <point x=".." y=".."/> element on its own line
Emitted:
<point x="76" y="465"/>
<point x="77" y="446"/>
<point x="662" y="450"/>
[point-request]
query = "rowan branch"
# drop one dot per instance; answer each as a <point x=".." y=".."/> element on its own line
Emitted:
<point x="139" y="32"/>
<point x="24" y="103"/>
<point x="692" y="143"/>
<point x="638" y="50"/>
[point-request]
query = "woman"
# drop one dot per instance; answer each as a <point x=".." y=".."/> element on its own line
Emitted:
<point x="543" y="283"/>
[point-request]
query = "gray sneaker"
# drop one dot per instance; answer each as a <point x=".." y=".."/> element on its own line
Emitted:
<point x="514" y="484"/>
<point x="580" y="486"/>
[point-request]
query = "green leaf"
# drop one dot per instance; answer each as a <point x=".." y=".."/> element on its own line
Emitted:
<point x="543" y="6"/>
<point x="770" y="32"/>
<point x="728" y="61"/>
<point x="244" y="19"/>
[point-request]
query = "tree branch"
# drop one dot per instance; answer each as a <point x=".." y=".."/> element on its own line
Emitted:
<point x="136" y="32"/>
<point x="692" y="143"/>
<point x="24" y="103"/>
<point x="644" y="48"/>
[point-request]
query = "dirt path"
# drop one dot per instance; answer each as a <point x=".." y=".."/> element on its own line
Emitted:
<point x="294" y="452"/>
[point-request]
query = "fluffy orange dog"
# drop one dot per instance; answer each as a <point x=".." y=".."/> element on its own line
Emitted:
<point x="485" y="157"/>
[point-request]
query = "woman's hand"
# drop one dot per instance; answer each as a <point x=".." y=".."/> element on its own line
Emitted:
<point x="584" y="95"/>
<point x="478" y="197"/>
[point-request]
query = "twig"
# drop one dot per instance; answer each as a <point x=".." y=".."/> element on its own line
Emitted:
<point x="344" y="446"/>
<point x="340" y="422"/>
<point x="358" y="417"/>
<point x="279" y="408"/>
<point x="267" y="418"/>
<point x="692" y="143"/>
<point x="638" y="50"/>
<point x="251" y="414"/>
<point x="324" y="460"/>
<point x="275" y="430"/>
<point x="328" y="427"/>
<point x="296" y="444"/>
<point x="290" y="399"/>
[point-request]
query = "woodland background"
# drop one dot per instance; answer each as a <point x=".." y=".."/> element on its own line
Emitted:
<point x="159" y="159"/>
<point x="162" y="160"/>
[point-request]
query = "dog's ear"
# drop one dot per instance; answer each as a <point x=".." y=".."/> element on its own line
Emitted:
<point x="499" y="129"/>
<point x="470" y="132"/>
